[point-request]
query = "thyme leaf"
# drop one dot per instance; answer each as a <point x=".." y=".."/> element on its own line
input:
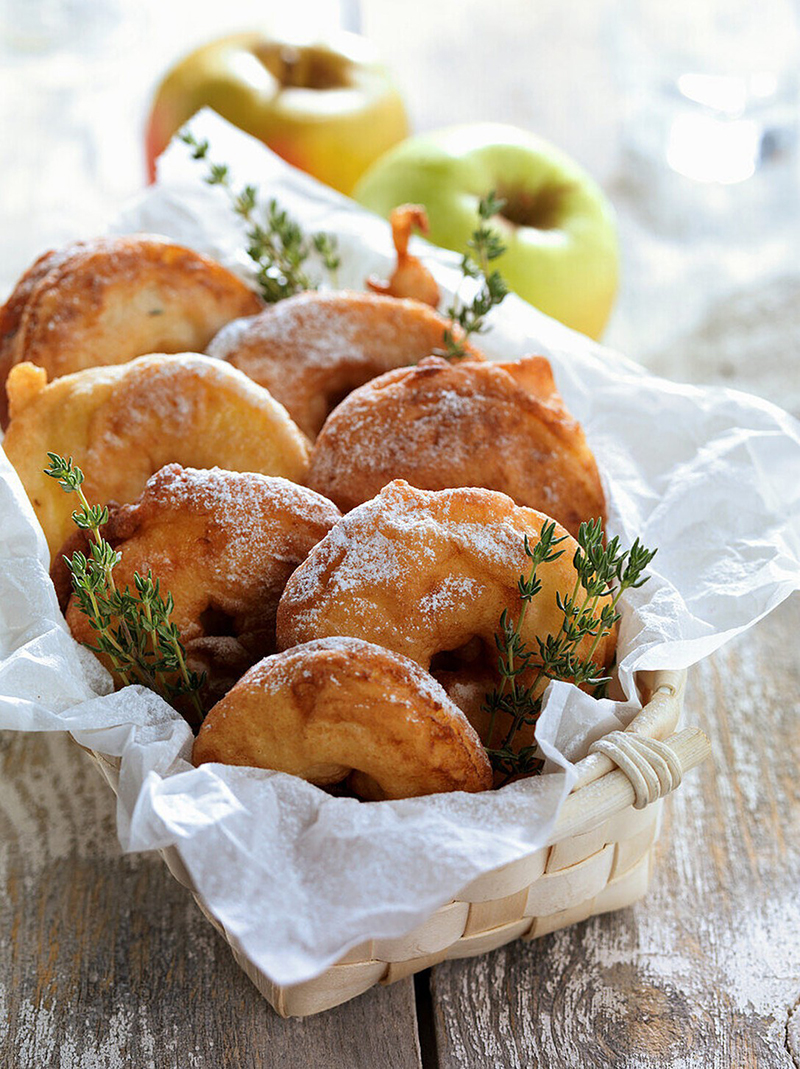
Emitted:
<point x="485" y="247"/>
<point x="275" y="243"/>
<point x="133" y="628"/>
<point x="604" y="572"/>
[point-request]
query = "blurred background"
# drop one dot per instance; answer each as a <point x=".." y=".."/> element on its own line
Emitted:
<point x="685" y="113"/>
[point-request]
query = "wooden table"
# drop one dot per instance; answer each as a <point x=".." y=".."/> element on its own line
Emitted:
<point x="105" y="962"/>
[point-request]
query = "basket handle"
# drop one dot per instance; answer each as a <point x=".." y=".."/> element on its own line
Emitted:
<point x="652" y="766"/>
<point x="629" y="783"/>
<point x="658" y="718"/>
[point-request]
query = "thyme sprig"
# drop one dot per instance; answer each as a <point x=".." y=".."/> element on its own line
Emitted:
<point x="602" y="569"/>
<point x="485" y="247"/>
<point x="133" y="628"/>
<point x="276" y="244"/>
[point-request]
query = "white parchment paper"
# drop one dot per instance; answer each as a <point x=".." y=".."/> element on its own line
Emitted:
<point x="710" y="476"/>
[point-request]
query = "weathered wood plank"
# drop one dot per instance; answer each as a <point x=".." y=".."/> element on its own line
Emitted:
<point x="705" y="972"/>
<point x="106" y="962"/>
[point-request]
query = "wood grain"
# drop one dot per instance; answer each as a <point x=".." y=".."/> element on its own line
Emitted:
<point x="705" y="972"/>
<point x="106" y="963"/>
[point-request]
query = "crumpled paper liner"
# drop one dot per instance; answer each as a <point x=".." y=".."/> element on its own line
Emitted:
<point x="710" y="476"/>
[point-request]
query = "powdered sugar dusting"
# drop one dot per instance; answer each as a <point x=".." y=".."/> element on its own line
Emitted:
<point x="453" y="590"/>
<point x="229" y="338"/>
<point x="395" y="422"/>
<point x="459" y="541"/>
<point x="183" y="406"/>
<point x="312" y="349"/>
<point x="328" y="329"/>
<point x="258" y="524"/>
<point x="239" y="496"/>
<point x="474" y="423"/>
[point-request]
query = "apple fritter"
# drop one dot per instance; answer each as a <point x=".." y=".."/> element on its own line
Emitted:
<point x="108" y="300"/>
<point x="341" y="709"/>
<point x="440" y="424"/>
<point x="122" y="423"/>
<point x="311" y="350"/>
<point x="223" y="544"/>
<point x="428" y="574"/>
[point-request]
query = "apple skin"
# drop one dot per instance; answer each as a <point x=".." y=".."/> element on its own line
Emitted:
<point x="338" y="113"/>
<point x="567" y="265"/>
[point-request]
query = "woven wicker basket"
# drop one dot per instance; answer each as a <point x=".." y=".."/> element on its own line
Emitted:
<point x="598" y="859"/>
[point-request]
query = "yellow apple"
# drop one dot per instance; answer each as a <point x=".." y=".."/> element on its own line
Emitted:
<point x="557" y="225"/>
<point x="330" y="108"/>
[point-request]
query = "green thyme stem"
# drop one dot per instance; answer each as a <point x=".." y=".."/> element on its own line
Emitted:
<point x="109" y="577"/>
<point x="151" y="640"/>
<point x="179" y="652"/>
<point x="484" y="246"/>
<point x="602" y="569"/>
<point x="146" y="677"/>
<point x="95" y="529"/>
<point x="511" y="663"/>
<point x="146" y="646"/>
<point x="116" y="663"/>
<point x="276" y="245"/>
<point x="600" y="633"/>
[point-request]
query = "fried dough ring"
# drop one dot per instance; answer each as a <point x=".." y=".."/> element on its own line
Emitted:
<point x="223" y="544"/>
<point x="108" y="300"/>
<point x="438" y="425"/>
<point x="311" y="350"/>
<point x="122" y="423"/>
<point x="426" y="572"/>
<point x="340" y="708"/>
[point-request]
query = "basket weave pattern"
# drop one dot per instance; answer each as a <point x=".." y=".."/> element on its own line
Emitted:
<point x="598" y="859"/>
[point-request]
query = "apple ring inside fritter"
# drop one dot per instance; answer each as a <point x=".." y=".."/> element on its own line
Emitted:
<point x="223" y="544"/>
<point x="428" y="574"/>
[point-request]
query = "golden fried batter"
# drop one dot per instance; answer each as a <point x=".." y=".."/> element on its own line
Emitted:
<point x="425" y="573"/>
<point x="311" y="350"/>
<point x="110" y="299"/>
<point x="120" y="424"/>
<point x="410" y="277"/>
<point x="223" y="544"/>
<point x="342" y="708"/>
<point x="500" y="426"/>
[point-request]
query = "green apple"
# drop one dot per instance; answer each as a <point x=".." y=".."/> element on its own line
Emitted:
<point x="328" y="107"/>
<point x="557" y="225"/>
